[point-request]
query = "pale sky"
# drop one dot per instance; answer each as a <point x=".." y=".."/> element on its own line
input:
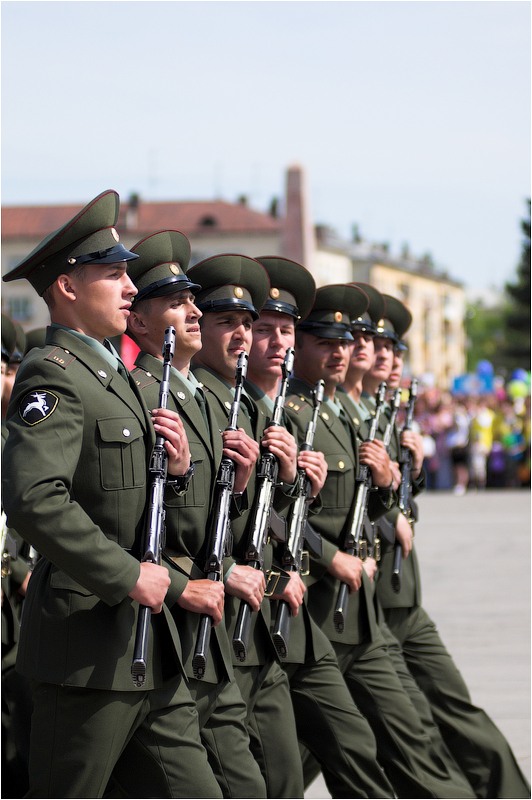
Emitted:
<point x="411" y="119"/>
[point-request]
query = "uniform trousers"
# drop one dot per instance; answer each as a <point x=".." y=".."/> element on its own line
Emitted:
<point x="476" y="743"/>
<point x="223" y="729"/>
<point x="334" y="731"/>
<point x="404" y="749"/>
<point x="79" y="734"/>
<point x="272" y="728"/>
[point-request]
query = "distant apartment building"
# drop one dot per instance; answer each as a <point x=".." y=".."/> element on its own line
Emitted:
<point x="436" y="338"/>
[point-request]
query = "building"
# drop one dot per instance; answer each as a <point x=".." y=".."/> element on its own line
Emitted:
<point x="437" y="337"/>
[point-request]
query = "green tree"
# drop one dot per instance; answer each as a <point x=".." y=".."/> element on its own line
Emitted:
<point x="516" y="346"/>
<point x="485" y="336"/>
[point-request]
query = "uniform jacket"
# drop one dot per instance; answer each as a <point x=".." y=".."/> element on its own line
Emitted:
<point x="75" y="487"/>
<point x="188" y="516"/>
<point x="338" y="498"/>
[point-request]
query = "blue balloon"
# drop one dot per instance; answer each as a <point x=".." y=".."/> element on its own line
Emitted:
<point x="484" y="368"/>
<point x="520" y="375"/>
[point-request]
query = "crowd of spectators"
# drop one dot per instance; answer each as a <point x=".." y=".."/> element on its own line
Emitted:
<point x="474" y="442"/>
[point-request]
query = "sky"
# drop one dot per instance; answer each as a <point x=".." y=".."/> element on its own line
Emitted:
<point x="410" y="119"/>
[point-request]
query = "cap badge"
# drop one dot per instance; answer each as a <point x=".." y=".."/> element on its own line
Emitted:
<point x="380" y="323"/>
<point x="238" y="292"/>
<point x="274" y="293"/>
<point x="338" y="316"/>
<point x="116" y="237"/>
<point x="174" y="268"/>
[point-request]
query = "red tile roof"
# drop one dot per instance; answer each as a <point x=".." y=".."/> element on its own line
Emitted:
<point x="192" y="218"/>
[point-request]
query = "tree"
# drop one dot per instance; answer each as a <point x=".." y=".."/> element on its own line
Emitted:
<point x="517" y="313"/>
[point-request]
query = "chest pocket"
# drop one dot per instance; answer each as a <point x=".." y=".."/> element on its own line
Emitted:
<point x="340" y="483"/>
<point x="122" y="453"/>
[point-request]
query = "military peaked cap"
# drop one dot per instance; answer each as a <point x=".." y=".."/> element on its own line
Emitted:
<point x="292" y="287"/>
<point x="89" y="238"/>
<point x="35" y="338"/>
<point x="367" y="322"/>
<point x="230" y="281"/>
<point x="395" y="322"/>
<point x="334" y="308"/>
<point x="161" y="266"/>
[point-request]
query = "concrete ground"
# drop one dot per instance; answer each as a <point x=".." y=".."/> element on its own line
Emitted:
<point x="474" y="553"/>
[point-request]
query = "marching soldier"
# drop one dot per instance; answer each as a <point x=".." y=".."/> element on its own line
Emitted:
<point x="166" y="298"/>
<point x="75" y="487"/>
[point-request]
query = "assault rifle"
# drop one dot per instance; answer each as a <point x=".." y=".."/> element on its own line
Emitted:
<point x="405" y="503"/>
<point x="262" y="511"/>
<point x="298" y="530"/>
<point x="220" y="535"/>
<point x="154" y="532"/>
<point x="354" y="543"/>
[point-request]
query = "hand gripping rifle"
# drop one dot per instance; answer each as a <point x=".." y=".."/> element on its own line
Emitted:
<point x="354" y="544"/>
<point x="220" y="535"/>
<point x="384" y="526"/>
<point x="262" y="511"/>
<point x="405" y="487"/>
<point x="154" y="532"/>
<point x="298" y="530"/>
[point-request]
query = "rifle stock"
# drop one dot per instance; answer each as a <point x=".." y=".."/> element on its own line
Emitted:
<point x="260" y="526"/>
<point x="293" y="549"/>
<point x="220" y="528"/>
<point x="154" y="530"/>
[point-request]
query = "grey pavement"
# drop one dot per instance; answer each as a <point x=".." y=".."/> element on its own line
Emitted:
<point x="474" y="554"/>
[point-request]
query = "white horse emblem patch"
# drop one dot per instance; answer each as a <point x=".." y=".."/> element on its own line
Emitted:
<point x="35" y="407"/>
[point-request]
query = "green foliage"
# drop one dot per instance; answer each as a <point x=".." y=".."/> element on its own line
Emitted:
<point x="516" y="347"/>
<point x="485" y="336"/>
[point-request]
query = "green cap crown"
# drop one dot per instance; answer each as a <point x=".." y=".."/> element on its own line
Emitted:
<point x="161" y="265"/>
<point x="334" y="308"/>
<point x="292" y="287"/>
<point x="230" y="281"/>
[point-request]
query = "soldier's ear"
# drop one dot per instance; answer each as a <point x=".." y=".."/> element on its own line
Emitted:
<point x="66" y="287"/>
<point x="136" y="323"/>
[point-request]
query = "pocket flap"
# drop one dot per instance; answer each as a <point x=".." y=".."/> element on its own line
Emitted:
<point x="119" y="429"/>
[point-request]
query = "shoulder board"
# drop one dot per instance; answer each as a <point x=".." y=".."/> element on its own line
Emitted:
<point x="142" y="378"/>
<point x="297" y="402"/>
<point x="63" y="358"/>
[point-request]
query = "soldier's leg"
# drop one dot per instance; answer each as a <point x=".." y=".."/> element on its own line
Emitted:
<point x="272" y="728"/>
<point x="403" y="747"/>
<point x="336" y="733"/>
<point x="224" y="734"/>
<point x="476" y="743"/>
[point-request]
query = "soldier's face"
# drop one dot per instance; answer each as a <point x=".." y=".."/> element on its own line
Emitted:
<point x="362" y="353"/>
<point x="224" y="335"/>
<point x="273" y="334"/>
<point x="102" y="294"/>
<point x="152" y="317"/>
<point x="322" y="359"/>
<point x="382" y="364"/>
<point x="394" y="379"/>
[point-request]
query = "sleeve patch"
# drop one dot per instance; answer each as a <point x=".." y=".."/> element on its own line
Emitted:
<point x="35" y="407"/>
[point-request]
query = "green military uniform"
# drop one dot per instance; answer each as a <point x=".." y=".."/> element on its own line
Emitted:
<point x="328" y="722"/>
<point x="235" y="282"/>
<point x="477" y="745"/>
<point x="403" y="748"/>
<point x="222" y="712"/>
<point x="75" y="487"/>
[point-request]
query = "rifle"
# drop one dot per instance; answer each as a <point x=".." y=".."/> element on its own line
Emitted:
<point x="298" y="530"/>
<point x="154" y="533"/>
<point x="220" y="535"/>
<point x="262" y="511"/>
<point x="354" y="544"/>
<point x="384" y="526"/>
<point x="405" y="487"/>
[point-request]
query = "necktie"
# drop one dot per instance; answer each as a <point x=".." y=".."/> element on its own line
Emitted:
<point x="202" y="403"/>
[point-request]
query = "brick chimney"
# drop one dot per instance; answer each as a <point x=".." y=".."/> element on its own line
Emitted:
<point x="298" y="239"/>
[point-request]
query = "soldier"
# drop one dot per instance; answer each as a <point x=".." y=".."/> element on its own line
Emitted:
<point x="75" y="487"/>
<point x="166" y="298"/>
<point x="323" y="347"/>
<point x="233" y="288"/>
<point x="328" y="722"/>
<point x="477" y="745"/>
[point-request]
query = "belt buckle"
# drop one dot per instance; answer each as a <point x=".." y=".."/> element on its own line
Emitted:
<point x="273" y="578"/>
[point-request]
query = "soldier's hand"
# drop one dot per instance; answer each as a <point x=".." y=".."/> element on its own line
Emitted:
<point x="404" y="534"/>
<point x="247" y="583"/>
<point x="151" y="586"/>
<point x="348" y="569"/>
<point x="414" y="442"/>
<point x="282" y="444"/>
<point x="204" y="597"/>
<point x="396" y="474"/>
<point x="244" y="451"/>
<point x="370" y="568"/>
<point x="293" y="593"/>
<point x="315" y="465"/>
<point x="167" y="423"/>
<point x="377" y="459"/>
